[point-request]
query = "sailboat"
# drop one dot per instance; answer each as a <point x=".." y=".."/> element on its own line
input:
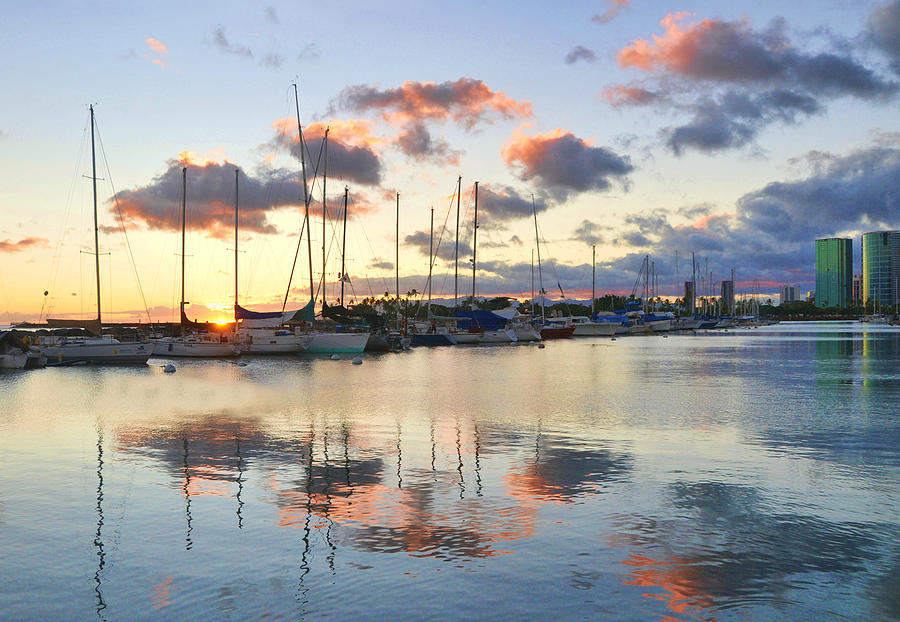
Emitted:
<point x="96" y="348"/>
<point x="430" y="334"/>
<point x="547" y="330"/>
<point x="483" y="326"/>
<point x="331" y="342"/>
<point x="194" y="346"/>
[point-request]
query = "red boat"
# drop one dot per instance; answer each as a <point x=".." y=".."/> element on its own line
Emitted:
<point x="557" y="332"/>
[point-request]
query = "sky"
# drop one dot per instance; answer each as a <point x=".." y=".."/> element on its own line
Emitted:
<point x="739" y="132"/>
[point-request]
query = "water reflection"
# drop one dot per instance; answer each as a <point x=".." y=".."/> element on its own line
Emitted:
<point x="98" y="536"/>
<point x="730" y="547"/>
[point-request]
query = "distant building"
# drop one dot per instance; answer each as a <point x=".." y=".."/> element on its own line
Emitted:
<point x="728" y="296"/>
<point x="881" y="267"/>
<point x="834" y="272"/>
<point x="857" y="289"/>
<point x="690" y="302"/>
<point x="790" y="293"/>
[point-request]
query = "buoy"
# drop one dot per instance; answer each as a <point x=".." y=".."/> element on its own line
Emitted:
<point x="242" y="363"/>
<point x="357" y="360"/>
<point x="540" y="345"/>
<point x="169" y="368"/>
<point x="613" y="339"/>
<point x="335" y="357"/>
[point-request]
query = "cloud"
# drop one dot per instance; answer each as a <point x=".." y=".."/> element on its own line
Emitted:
<point x="611" y="13"/>
<point x="465" y="101"/>
<point x="579" y="52"/>
<point x="272" y="14"/>
<point x="561" y="163"/>
<point x="210" y="198"/>
<point x="884" y="31"/>
<point x="621" y="95"/>
<point x="273" y="60"/>
<point x="500" y="204"/>
<point x="735" y="118"/>
<point x="852" y="192"/>
<point x="382" y="265"/>
<point x="734" y="80"/>
<point x="3" y="135"/>
<point x="770" y="235"/>
<point x="588" y="232"/>
<point x="156" y="45"/>
<point x="351" y="153"/>
<point x="444" y="246"/>
<point x="310" y="52"/>
<point x="11" y="246"/>
<point x="221" y="41"/>
<point x="416" y="141"/>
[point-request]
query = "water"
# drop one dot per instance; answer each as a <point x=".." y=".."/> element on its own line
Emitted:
<point x="744" y="475"/>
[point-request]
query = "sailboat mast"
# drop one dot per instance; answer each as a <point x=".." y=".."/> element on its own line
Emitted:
<point x="593" y="276"/>
<point x="474" y="244"/>
<point x="236" y="172"/>
<point x="96" y="227"/>
<point x="397" y="257"/>
<point x="430" y="260"/>
<point x="693" y="285"/>
<point x="532" y="283"/>
<point x="183" y="221"/>
<point x="312" y="294"/>
<point x="537" y="241"/>
<point x="456" y="255"/>
<point x="324" y="210"/>
<point x="343" y="246"/>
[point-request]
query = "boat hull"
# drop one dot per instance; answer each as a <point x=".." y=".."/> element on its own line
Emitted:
<point x="596" y="329"/>
<point x="13" y="361"/>
<point x="433" y="339"/>
<point x="100" y="353"/>
<point x="526" y="333"/>
<point x="190" y="349"/>
<point x="334" y="343"/>
<point x="561" y="332"/>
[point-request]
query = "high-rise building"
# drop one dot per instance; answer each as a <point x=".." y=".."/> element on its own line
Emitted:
<point x="881" y="268"/>
<point x="857" y="289"/>
<point x="728" y="296"/>
<point x="790" y="293"/>
<point x="834" y="272"/>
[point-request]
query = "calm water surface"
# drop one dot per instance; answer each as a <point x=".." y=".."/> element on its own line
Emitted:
<point x="753" y="474"/>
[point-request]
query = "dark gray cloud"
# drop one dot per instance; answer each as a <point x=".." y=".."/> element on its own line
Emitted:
<point x="884" y="31"/>
<point x="444" y="245"/>
<point x="735" y="81"/>
<point x="382" y="265"/>
<point x="579" y="52"/>
<point x="735" y="118"/>
<point x="274" y="61"/>
<point x="858" y="190"/>
<point x="222" y="43"/>
<point x="416" y="142"/>
<point x="561" y="163"/>
<point x="588" y="232"/>
<point x="500" y="204"/>
<point x="354" y="163"/>
<point x="210" y="199"/>
<point x="771" y="235"/>
<point x="310" y="52"/>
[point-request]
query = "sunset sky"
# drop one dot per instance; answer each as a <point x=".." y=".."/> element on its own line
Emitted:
<point x="739" y="131"/>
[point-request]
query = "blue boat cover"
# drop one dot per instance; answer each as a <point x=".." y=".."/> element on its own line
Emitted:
<point x="480" y="318"/>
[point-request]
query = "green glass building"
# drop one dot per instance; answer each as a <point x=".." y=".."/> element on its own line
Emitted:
<point x="834" y="272"/>
<point x="881" y="268"/>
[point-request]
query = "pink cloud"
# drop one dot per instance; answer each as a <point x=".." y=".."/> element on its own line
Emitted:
<point x="156" y="45"/>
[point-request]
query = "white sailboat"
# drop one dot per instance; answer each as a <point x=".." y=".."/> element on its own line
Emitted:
<point x="192" y="346"/>
<point x="94" y="349"/>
